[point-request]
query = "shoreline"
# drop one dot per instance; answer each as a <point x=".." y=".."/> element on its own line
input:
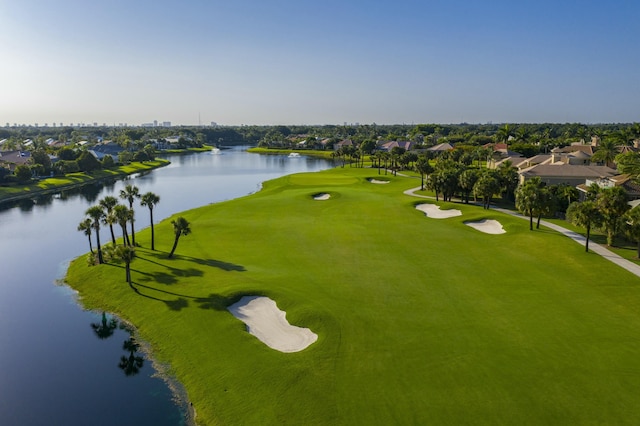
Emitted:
<point x="35" y="192"/>
<point x="179" y="394"/>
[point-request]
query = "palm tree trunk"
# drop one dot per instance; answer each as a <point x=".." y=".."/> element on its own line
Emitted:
<point x="586" y="245"/>
<point x="530" y="220"/>
<point x="538" y="223"/>
<point x="175" y="244"/>
<point x="133" y="235"/>
<point x="100" y="260"/>
<point x="90" y="244"/>
<point x="125" y="235"/>
<point x="113" y="236"/>
<point x="152" y="234"/>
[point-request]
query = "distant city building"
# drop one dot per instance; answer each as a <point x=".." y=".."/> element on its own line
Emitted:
<point x="166" y="124"/>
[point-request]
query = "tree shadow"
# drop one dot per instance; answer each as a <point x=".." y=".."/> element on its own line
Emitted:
<point x="161" y="256"/>
<point x="225" y="266"/>
<point x="175" y="304"/>
<point x="219" y="302"/>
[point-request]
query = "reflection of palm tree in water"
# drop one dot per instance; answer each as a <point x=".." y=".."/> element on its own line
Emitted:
<point x="105" y="328"/>
<point x="132" y="364"/>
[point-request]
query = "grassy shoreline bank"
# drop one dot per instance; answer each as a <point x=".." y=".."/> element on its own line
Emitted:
<point x="74" y="180"/>
<point x="310" y="152"/>
<point x="420" y="321"/>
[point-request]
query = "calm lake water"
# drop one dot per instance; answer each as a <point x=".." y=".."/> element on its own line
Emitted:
<point x="61" y="365"/>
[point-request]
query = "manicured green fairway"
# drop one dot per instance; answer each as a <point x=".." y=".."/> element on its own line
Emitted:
<point x="420" y="321"/>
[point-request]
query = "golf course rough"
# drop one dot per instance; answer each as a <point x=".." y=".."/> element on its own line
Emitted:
<point x="418" y="322"/>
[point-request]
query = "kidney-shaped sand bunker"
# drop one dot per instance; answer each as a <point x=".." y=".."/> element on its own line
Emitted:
<point x="269" y="324"/>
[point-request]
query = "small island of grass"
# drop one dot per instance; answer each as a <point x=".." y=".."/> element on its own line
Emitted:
<point x="417" y="321"/>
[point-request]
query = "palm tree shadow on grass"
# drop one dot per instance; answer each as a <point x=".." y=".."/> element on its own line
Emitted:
<point x="214" y="301"/>
<point x="163" y="261"/>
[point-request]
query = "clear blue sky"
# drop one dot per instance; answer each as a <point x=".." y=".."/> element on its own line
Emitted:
<point x="319" y="62"/>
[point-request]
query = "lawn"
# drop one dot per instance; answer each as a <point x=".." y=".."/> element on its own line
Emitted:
<point x="75" y="179"/>
<point x="419" y="320"/>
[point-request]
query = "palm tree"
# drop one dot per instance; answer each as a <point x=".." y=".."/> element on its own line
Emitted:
<point x="584" y="214"/>
<point x="508" y="177"/>
<point x="130" y="193"/>
<point x="504" y="133"/>
<point x="150" y="200"/>
<point x="86" y="227"/>
<point x="96" y="214"/>
<point x="466" y="181"/>
<point x="606" y="152"/>
<point x="422" y="167"/>
<point x="122" y="215"/>
<point x="108" y="203"/>
<point x="632" y="219"/>
<point x="486" y="186"/>
<point x="126" y="254"/>
<point x="529" y="198"/>
<point x="612" y="203"/>
<point x="180" y="227"/>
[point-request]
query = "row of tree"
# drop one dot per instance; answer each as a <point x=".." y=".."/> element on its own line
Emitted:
<point x="607" y="209"/>
<point x="110" y="212"/>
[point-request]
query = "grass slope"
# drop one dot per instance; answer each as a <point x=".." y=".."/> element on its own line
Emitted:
<point x="71" y="180"/>
<point x="420" y="321"/>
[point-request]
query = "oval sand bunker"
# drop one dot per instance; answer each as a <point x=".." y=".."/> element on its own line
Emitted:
<point x="488" y="226"/>
<point x="433" y="211"/>
<point x="379" y="182"/>
<point x="269" y="324"/>
<point x="322" y="197"/>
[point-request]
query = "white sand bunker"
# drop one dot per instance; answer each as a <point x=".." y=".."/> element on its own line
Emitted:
<point x="378" y="181"/>
<point x="433" y="211"/>
<point x="488" y="226"/>
<point x="269" y="324"/>
<point x="322" y="197"/>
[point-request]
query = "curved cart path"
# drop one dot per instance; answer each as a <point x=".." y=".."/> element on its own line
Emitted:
<point x="596" y="248"/>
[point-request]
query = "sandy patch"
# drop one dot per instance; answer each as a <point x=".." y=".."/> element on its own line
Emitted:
<point x="433" y="211"/>
<point x="322" y="197"/>
<point x="488" y="226"/>
<point x="269" y="324"/>
<point x="380" y="182"/>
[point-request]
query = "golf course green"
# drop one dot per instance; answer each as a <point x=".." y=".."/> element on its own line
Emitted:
<point x="419" y="320"/>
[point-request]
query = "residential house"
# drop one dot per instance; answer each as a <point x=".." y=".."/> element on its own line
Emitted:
<point x="442" y="147"/>
<point x="106" y="148"/>
<point x="342" y="143"/>
<point x="629" y="185"/>
<point x="564" y="173"/>
<point x="388" y="146"/>
<point x="12" y="159"/>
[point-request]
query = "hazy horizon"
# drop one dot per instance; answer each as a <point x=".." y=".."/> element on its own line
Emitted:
<point x="289" y="62"/>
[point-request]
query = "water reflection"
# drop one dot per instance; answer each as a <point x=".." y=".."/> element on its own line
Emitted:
<point x="131" y="363"/>
<point x="105" y="328"/>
